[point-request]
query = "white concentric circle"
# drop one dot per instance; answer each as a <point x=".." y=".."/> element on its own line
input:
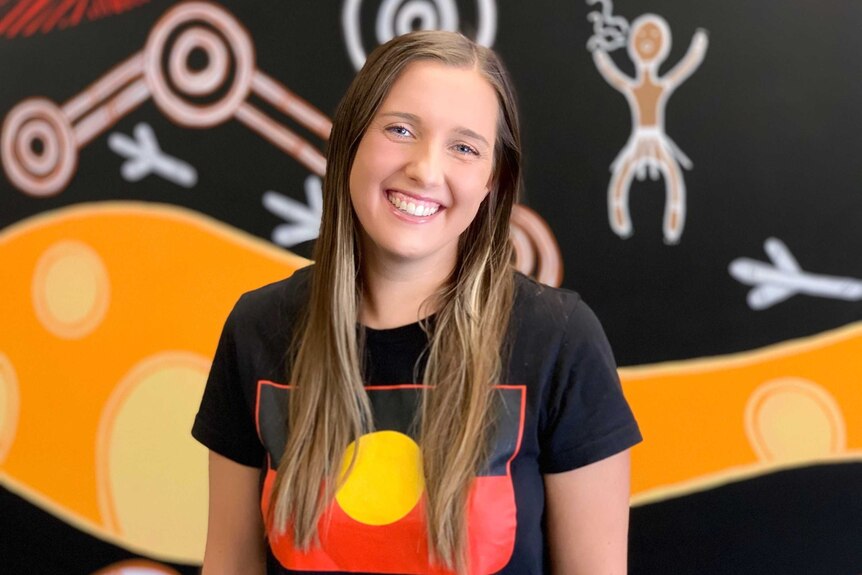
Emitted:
<point x="43" y="162"/>
<point x="199" y="82"/>
<point x="175" y="105"/>
<point x="396" y="17"/>
<point x="43" y="173"/>
<point x="417" y="12"/>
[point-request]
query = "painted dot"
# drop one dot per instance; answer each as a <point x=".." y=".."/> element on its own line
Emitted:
<point x="152" y="474"/>
<point x="71" y="290"/>
<point x="386" y="481"/>
<point x="793" y="420"/>
<point x="136" y="567"/>
<point x="8" y="405"/>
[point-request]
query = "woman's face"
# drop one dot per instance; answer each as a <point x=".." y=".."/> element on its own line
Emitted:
<point x="424" y="164"/>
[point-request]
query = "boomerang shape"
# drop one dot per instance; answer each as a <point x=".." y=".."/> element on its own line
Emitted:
<point x="785" y="278"/>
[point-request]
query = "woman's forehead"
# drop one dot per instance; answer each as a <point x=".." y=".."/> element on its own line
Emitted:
<point x="447" y="96"/>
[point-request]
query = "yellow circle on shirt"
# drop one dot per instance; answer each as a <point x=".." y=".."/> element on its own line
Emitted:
<point x="386" y="480"/>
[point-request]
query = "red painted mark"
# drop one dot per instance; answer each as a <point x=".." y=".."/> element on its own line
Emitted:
<point x="27" y="17"/>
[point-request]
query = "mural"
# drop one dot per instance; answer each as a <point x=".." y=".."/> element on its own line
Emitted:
<point x="395" y="17"/>
<point x="117" y="423"/>
<point x="28" y="18"/>
<point x="784" y="278"/>
<point x="144" y="158"/>
<point x="160" y="158"/>
<point x="649" y="148"/>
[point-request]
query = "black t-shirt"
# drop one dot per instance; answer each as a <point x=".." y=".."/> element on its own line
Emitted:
<point x="559" y="407"/>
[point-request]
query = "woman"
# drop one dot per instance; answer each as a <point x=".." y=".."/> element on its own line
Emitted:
<point x="412" y="330"/>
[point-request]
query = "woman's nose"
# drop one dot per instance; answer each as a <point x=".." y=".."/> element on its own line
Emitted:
<point x="425" y="166"/>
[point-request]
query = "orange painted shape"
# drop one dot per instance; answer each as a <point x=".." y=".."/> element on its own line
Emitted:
<point x="174" y="276"/>
<point x="693" y="413"/>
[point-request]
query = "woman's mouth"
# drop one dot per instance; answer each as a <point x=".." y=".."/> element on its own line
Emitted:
<point x="412" y="206"/>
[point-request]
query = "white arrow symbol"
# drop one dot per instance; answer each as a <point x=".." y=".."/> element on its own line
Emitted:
<point x="775" y="283"/>
<point x="305" y="219"/>
<point x="145" y="157"/>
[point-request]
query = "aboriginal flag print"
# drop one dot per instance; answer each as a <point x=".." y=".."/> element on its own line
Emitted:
<point x="377" y="521"/>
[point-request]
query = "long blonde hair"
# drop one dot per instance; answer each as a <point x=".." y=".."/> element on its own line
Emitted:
<point x="329" y="407"/>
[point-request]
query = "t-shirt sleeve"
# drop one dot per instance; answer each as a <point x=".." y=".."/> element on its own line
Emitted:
<point x="587" y="417"/>
<point x="225" y="421"/>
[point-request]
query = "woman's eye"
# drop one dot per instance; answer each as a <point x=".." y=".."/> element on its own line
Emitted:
<point x="466" y="150"/>
<point x="399" y="131"/>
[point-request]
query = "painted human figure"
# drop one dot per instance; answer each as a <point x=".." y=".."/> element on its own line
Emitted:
<point x="649" y="148"/>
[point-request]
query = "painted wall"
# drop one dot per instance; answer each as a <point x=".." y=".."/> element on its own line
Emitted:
<point x="691" y="170"/>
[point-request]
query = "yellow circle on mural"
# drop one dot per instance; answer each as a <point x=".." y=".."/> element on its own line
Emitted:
<point x="152" y="473"/>
<point x="8" y="405"/>
<point x="792" y="420"/>
<point x="386" y="481"/>
<point x="71" y="290"/>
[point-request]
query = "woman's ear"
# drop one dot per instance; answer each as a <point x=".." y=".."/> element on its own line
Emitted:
<point x="489" y="186"/>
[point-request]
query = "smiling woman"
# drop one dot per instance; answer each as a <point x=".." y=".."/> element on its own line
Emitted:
<point x="413" y="346"/>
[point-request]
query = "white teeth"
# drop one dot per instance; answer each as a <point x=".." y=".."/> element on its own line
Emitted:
<point x="411" y="207"/>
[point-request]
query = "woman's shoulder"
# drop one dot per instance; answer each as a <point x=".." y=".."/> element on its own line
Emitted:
<point x="541" y="303"/>
<point x="274" y="302"/>
<point x="549" y="315"/>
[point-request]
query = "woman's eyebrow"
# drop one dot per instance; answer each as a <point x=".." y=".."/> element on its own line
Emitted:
<point x="468" y="133"/>
<point x="403" y="115"/>
<point x="413" y="118"/>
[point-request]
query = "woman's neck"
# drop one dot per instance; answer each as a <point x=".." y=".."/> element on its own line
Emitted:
<point x="393" y="293"/>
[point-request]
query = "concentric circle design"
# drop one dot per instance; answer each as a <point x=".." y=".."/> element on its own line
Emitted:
<point x="396" y="17"/>
<point x="71" y="289"/>
<point x="792" y="419"/>
<point x="38" y="131"/>
<point x="178" y="95"/>
<point x="536" y="251"/>
<point x="199" y="82"/>
<point x="38" y="148"/>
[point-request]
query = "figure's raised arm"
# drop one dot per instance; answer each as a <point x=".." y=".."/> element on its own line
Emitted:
<point x="690" y="61"/>
<point x="609" y="71"/>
